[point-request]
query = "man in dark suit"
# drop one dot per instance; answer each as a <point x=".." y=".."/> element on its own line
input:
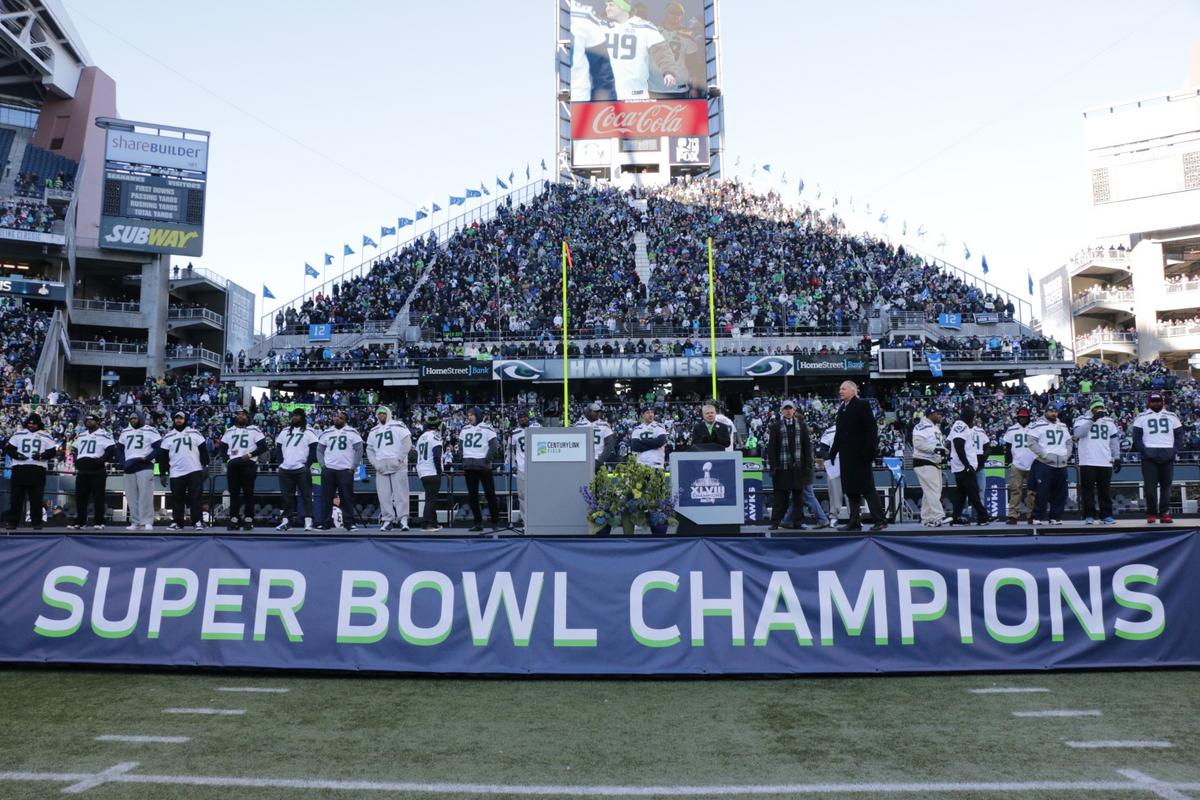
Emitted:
<point x="790" y="455"/>
<point x="710" y="434"/>
<point x="854" y="444"/>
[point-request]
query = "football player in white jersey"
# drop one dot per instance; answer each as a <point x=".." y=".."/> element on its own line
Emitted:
<point x="296" y="452"/>
<point x="591" y="71"/>
<point x="388" y="446"/>
<point x="31" y="450"/>
<point x="340" y="451"/>
<point x="1020" y="462"/>
<point x="135" y="454"/>
<point x="242" y="444"/>
<point x="649" y="441"/>
<point x="429" y="470"/>
<point x="519" y="444"/>
<point x="632" y="44"/>
<point x="964" y="462"/>
<point x="1158" y="436"/>
<point x="183" y="456"/>
<point x="1098" y="438"/>
<point x="480" y="445"/>
<point x="93" y="449"/>
<point x="601" y="431"/>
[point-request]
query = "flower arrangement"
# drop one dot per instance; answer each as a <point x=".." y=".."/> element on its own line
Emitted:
<point x="631" y="495"/>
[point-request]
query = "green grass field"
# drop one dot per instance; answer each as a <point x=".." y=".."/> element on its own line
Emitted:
<point x="526" y="737"/>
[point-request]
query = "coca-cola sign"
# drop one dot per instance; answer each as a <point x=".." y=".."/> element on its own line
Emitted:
<point x="640" y="119"/>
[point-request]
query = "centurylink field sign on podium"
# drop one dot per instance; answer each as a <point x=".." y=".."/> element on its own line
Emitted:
<point x="709" y="488"/>
<point x="560" y="461"/>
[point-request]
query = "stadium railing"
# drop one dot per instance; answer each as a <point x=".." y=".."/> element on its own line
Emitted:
<point x="108" y="347"/>
<point x="107" y="305"/>
<point x="176" y="313"/>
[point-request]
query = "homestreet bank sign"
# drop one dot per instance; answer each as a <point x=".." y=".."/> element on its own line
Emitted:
<point x="451" y="370"/>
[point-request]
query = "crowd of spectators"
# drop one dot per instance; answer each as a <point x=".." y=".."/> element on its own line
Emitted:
<point x="984" y="348"/>
<point x="23" y="215"/>
<point x="30" y="184"/>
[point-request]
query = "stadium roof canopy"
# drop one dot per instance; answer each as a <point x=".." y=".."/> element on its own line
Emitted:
<point x="41" y="53"/>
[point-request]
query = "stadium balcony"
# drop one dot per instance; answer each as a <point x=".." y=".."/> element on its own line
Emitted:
<point x="108" y="354"/>
<point x="1181" y="295"/>
<point x="1108" y="264"/>
<point x="189" y="276"/>
<point x="194" y="318"/>
<point x="1115" y="304"/>
<point x="105" y="313"/>
<point x="1106" y="342"/>
<point x="184" y="357"/>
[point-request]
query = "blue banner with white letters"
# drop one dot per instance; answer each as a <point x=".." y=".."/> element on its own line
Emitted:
<point x="614" y="607"/>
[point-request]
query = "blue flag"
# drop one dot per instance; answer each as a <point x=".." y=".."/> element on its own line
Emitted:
<point x="784" y="178"/>
<point x="966" y="252"/>
<point x="484" y="189"/>
<point x="985" y="265"/>
<point x="883" y="217"/>
<point x="368" y="241"/>
<point x="328" y="259"/>
<point x="403" y="222"/>
<point x="346" y="251"/>
<point x="511" y="175"/>
<point x="267" y="293"/>
<point x="921" y="230"/>
<point x="766" y="167"/>
<point x="457" y="201"/>
<point x="934" y="360"/>
<point x="421" y="214"/>
<point x="473" y="193"/>
<point x="904" y="228"/>
<point x="1029" y="277"/>
<point x="501" y="184"/>
<point x="386" y="230"/>
<point x="310" y="271"/>
<point x="526" y="172"/>
<point x="800" y="189"/>
<point x="543" y="165"/>
<point x="436" y="208"/>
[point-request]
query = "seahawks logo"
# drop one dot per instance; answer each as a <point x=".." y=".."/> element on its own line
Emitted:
<point x="515" y="371"/>
<point x="768" y="366"/>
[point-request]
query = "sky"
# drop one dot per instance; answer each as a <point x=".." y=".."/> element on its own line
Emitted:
<point x="330" y="120"/>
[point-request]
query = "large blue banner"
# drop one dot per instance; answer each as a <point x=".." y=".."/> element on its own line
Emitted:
<point x="663" y="606"/>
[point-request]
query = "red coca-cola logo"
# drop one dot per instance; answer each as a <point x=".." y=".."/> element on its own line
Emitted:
<point x="644" y="119"/>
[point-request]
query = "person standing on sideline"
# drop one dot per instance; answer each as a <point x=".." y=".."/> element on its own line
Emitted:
<point x="480" y="445"/>
<point x="855" y="444"/>
<point x="1158" y="436"/>
<point x="519" y="448"/>
<point x="790" y="456"/>
<point x="135" y="453"/>
<point x="429" y="470"/>
<point x="982" y="440"/>
<point x="388" y="446"/>
<point x="296" y="452"/>
<point x="964" y="462"/>
<point x="1051" y="443"/>
<point x="242" y="445"/>
<point x="648" y="441"/>
<point x="339" y="451"/>
<point x="1099" y="443"/>
<point x="710" y="434"/>
<point x="30" y="450"/>
<point x="93" y="449"/>
<point x="833" y="473"/>
<point x="929" y="454"/>
<point x="1020" y="462"/>
<point x="183" y="458"/>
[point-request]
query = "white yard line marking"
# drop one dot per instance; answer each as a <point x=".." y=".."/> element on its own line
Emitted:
<point x="251" y="690"/>
<point x="92" y="781"/>
<point x="1136" y="782"/>
<point x="144" y="739"/>
<point x="1118" y="743"/>
<point x="1065" y="712"/>
<point x="1007" y="690"/>
<point x="1167" y="791"/>
<point x="220" y="712"/>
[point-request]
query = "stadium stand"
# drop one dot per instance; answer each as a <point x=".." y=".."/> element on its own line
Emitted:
<point x="40" y="169"/>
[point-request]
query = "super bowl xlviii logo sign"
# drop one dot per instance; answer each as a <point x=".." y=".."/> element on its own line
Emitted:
<point x="707" y="490"/>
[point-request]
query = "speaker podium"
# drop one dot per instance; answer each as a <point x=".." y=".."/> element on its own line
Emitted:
<point x="710" y="490"/>
<point x="558" y="461"/>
